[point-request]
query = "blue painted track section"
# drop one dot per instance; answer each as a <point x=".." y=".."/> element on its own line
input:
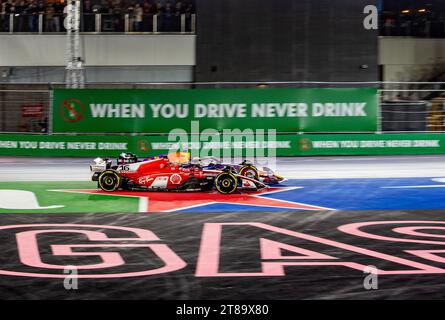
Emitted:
<point x="354" y="194"/>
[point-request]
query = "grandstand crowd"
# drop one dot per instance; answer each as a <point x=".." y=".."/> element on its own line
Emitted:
<point x="412" y="18"/>
<point x="412" y="23"/>
<point x="25" y="15"/>
<point x="395" y="20"/>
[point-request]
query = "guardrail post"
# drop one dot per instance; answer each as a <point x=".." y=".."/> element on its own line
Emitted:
<point x="193" y="24"/>
<point x="11" y="23"/>
<point x="379" y="112"/>
<point x="127" y="23"/>
<point x="50" y="113"/>
<point x="98" y="22"/>
<point x="40" y="23"/>
<point x="155" y="23"/>
<point x="182" y="23"/>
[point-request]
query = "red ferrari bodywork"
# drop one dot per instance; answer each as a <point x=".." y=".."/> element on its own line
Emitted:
<point x="161" y="173"/>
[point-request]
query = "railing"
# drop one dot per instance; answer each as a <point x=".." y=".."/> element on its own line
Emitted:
<point x="99" y="23"/>
<point x="404" y="106"/>
<point x="109" y="22"/>
<point x="184" y="23"/>
<point x="25" y="111"/>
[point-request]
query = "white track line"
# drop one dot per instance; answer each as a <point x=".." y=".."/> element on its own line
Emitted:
<point x="416" y="187"/>
<point x="143" y="204"/>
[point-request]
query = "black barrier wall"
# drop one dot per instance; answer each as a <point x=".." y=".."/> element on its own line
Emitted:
<point x="285" y="40"/>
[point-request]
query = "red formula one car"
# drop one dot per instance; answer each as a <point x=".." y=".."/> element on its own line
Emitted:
<point x="163" y="175"/>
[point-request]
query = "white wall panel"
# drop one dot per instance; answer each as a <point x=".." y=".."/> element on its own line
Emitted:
<point x="100" y="50"/>
<point x="411" y="51"/>
<point x="411" y="59"/>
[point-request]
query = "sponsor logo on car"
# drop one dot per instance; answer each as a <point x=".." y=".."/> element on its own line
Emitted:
<point x="144" y="179"/>
<point x="176" y="178"/>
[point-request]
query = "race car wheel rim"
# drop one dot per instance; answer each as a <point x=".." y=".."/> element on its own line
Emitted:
<point x="226" y="183"/>
<point x="249" y="172"/>
<point x="109" y="181"/>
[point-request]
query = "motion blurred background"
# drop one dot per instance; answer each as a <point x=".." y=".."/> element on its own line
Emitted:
<point x="356" y="112"/>
<point x="227" y="43"/>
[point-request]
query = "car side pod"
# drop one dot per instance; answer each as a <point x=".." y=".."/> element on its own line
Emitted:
<point x="109" y="180"/>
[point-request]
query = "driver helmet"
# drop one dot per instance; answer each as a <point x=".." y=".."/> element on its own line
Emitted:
<point x="196" y="160"/>
<point x="126" y="158"/>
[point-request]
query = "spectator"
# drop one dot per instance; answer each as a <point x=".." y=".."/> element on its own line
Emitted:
<point x="58" y="14"/>
<point x="189" y="10"/>
<point x="88" y="17"/>
<point x="389" y="25"/>
<point x="130" y="12"/>
<point x="49" y="19"/>
<point x="40" y="10"/>
<point x="96" y="8"/>
<point x="168" y="17"/>
<point x="12" y="8"/>
<point x="19" y="11"/>
<point x="404" y="26"/>
<point x="159" y="10"/>
<point x="31" y="11"/>
<point x="4" y="16"/>
<point x="64" y="14"/>
<point x="179" y="8"/>
<point x="147" y="20"/>
<point x="177" y="17"/>
<point x="26" y="14"/>
<point x="118" y="17"/>
<point x="104" y="8"/>
<point x="138" y="13"/>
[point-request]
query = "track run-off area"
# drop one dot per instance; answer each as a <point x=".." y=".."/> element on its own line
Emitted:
<point x="315" y="236"/>
<point x="326" y="183"/>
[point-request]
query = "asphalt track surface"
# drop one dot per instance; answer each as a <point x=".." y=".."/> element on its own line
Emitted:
<point x="268" y="255"/>
<point x="193" y="254"/>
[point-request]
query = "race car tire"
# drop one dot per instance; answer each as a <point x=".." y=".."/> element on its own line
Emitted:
<point x="226" y="183"/>
<point x="109" y="181"/>
<point x="249" y="171"/>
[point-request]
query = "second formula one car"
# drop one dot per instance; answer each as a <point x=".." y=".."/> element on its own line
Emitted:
<point x="245" y="168"/>
<point x="163" y="175"/>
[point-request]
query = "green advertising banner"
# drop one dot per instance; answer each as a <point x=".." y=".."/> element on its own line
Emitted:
<point x="66" y="146"/>
<point x="280" y="145"/>
<point x="162" y="110"/>
<point x="369" y="144"/>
